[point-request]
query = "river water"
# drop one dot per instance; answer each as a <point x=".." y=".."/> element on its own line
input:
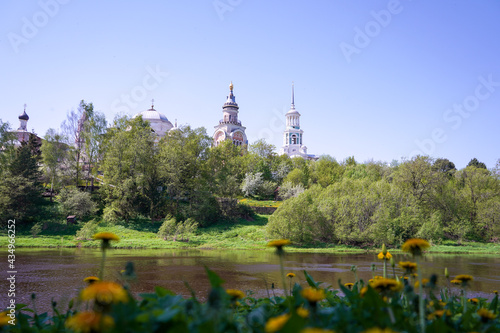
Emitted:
<point x="58" y="273"/>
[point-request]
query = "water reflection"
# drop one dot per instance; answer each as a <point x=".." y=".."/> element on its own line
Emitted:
<point x="58" y="273"/>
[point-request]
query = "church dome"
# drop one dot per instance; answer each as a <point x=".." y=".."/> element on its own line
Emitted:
<point x="152" y="114"/>
<point x="158" y="121"/>
<point x="24" y="116"/>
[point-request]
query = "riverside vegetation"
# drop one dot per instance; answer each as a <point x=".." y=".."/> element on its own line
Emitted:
<point x="410" y="303"/>
<point x="121" y="175"/>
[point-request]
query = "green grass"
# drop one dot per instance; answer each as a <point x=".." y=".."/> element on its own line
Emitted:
<point x="260" y="203"/>
<point x="243" y="234"/>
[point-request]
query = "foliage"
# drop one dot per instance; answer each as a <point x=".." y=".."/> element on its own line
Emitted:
<point x="177" y="230"/>
<point x="76" y="202"/>
<point x="36" y="229"/>
<point x="87" y="230"/>
<point x="287" y="190"/>
<point x="254" y="185"/>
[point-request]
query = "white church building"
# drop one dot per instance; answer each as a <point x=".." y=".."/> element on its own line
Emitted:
<point x="293" y="145"/>
<point x="230" y="127"/>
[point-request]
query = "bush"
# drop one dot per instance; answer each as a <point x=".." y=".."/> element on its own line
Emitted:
<point x="76" y="202"/>
<point x="177" y="230"/>
<point x="36" y="229"/>
<point x="88" y="230"/>
<point x="168" y="228"/>
<point x="287" y="190"/>
<point x="254" y="185"/>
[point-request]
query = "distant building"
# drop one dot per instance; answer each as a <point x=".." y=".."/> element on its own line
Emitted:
<point x="158" y="121"/>
<point x="292" y="136"/>
<point x="22" y="133"/>
<point x="229" y="127"/>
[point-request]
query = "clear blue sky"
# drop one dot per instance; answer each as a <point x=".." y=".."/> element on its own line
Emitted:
<point x="374" y="79"/>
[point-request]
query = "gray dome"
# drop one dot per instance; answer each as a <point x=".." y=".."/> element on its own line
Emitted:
<point x="152" y="114"/>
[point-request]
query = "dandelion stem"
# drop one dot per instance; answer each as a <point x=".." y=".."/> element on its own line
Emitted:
<point x="103" y="260"/>
<point x="420" y="296"/>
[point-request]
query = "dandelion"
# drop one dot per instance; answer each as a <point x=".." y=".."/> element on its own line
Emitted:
<point x="89" y="321"/>
<point x="455" y="281"/>
<point x="439" y="314"/>
<point x="106" y="237"/>
<point x="473" y="300"/>
<point x="235" y="294"/>
<point x="415" y="246"/>
<point x="464" y="278"/>
<point x="4" y="319"/>
<point x="384" y="285"/>
<point x="104" y="292"/>
<point x="276" y="323"/>
<point x="304" y="313"/>
<point x="349" y="285"/>
<point x="278" y="244"/>
<point x="485" y="314"/>
<point x="290" y="275"/>
<point x="381" y="256"/>
<point x="409" y="266"/>
<point x="91" y="279"/>
<point x="313" y="295"/>
<point x="424" y="283"/>
<point x="363" y="291"/>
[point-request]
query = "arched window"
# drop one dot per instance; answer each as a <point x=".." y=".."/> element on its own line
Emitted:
<point x="294" y="139"/>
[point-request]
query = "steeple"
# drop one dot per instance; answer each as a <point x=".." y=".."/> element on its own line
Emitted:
<point x="23" y="120"/>
<point x="293" y="98"/>
<point x="231" y="100"/>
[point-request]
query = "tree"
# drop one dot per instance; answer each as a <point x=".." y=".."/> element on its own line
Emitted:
<point x="54" y="152"/>
<point x="254" y="185"/>
<point x="76" y="202"/>
<point x="262" y="149"/>
<point x="475" y="163"/>
<point x="445" y="166"/>
<point x="7" y="148"/>
<point x="72" y="129"/>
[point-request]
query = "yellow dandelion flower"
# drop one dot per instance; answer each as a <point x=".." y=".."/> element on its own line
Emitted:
<point x="349" y="285"/>
<point x="495" y="292"/>
<point x="381" y="285"/>
<point x="276" y="323"/>
<point x="485" y="314"/>
<point x="473" y="300"/>
<point x="439" y="314"/>
<point x="316" y="330"/>
<point x="313" y="295"/>
<point x="408" y="266"/>
<point x="464" y="278"/>
<point x="279" y="243"/>
<point x="415" y="246"/>
<point x="376" y="277"/>
<point x="455" y="281"/>
<point x="89" y="321"/>
<point x="424" y="283"/>
<point x="91" y="279"/>
<point x="363" y="291"/>
<point x="290" y="275"/>
<point x="304" y="313"/>
<point x="104" y="292"/>
<point x="4" y="319"/>
<point x="106" y="236"/>
<point x="381" y="256"/>
<point x="235" y="293"/>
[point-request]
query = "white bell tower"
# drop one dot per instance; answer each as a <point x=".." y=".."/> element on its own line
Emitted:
<point x="292" y="136"/>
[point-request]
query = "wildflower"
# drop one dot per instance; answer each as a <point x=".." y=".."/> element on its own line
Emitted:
<point x="363" y="291"/>
<point x="485" y="314"/>
<point x="89" y="321"/>
<point x="91" y="279"/>
<point x="376" y="277"/>
<point x="455" y="281"/>
<point x="304" y="313"/>
<point x="381" y="285"/>
<point x="235" y="293"/>
<point x="276" y="323"/>
<point x="495" y="292"/>
<point x="349" y="285"/>
<point x="316" y="330"/>
<point x="439" y="314"/>
<point x="290" y="275"/>
<point x="4" y="319"/>
<point x="408" y="266"/>
<point x="415" y="246"/>
<point x="106" y="237"/>
<point x="278" y="244"/>
<point x="313" y="295"/>
<point x="464" y="278"/>
<point x="424" y="282"/>
<point x="386" y="256"/>
<point x="473" y="300"/>
<point x="104" y="292"/>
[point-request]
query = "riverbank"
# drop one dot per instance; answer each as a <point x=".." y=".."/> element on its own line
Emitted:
<point x="241" y="235"/>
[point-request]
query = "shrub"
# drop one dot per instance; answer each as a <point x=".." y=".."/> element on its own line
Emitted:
<point x="36" y="229"/>
<point x="168" y="228"/>
<point x="88" y="230"/>
<point x="76" y="202"/>
<point x="287" y="190"/>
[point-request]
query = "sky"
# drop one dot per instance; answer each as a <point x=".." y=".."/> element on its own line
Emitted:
<point x="378" y="80"/>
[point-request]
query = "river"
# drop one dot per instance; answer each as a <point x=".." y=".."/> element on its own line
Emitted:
<point x="58" y="273"/>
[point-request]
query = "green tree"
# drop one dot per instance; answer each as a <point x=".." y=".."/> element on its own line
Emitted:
<point x="475" y="163"/>
<point x="54" y="152"/>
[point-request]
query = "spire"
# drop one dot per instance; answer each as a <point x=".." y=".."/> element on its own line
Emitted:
<point x="153" y="104"/>
<point x="24" y="115"/>
<point x="293" y="97"/>
<point x="231" y="100"/>
<point x="231" y="86"/>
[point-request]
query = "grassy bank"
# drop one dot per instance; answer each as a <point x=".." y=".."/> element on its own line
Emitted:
<point x="241" y="235"/>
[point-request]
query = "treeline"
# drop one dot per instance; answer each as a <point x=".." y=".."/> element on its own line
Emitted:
<point x="373" y="203"/>
<point x="122" y="171"/>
